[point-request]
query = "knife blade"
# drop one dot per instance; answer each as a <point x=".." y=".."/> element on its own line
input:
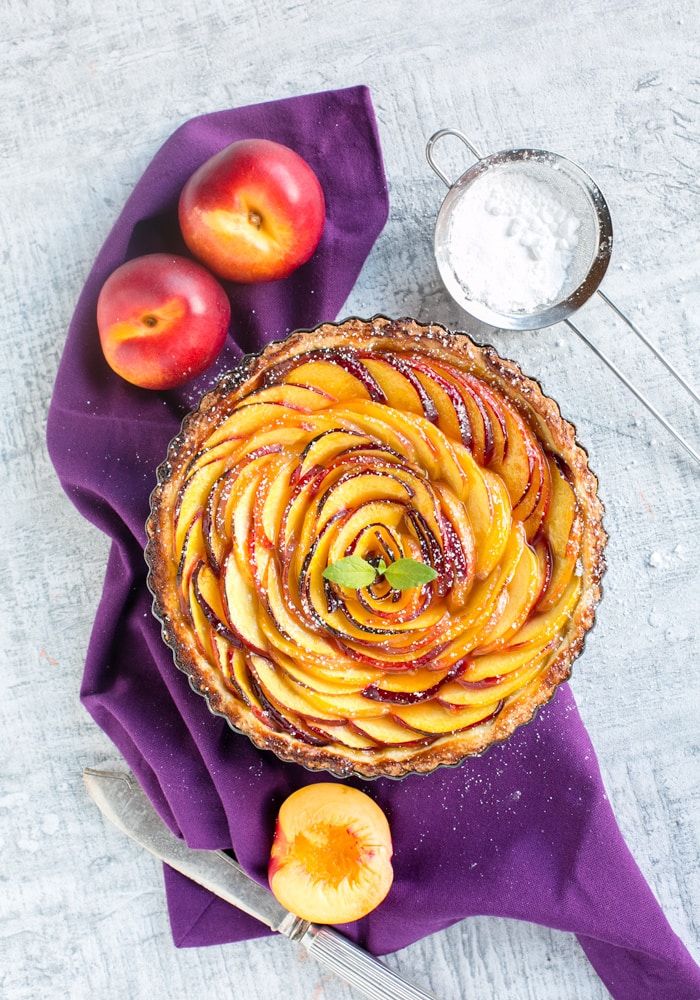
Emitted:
<point x="122" y="800"/>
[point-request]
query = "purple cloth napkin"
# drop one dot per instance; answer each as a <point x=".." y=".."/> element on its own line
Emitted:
<point x="524" y="831"/>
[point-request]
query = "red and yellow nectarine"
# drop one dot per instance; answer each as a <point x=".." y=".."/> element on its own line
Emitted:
<point x="331" y="854"/>
<point x="253" y="212"/>
<point x="162" y="320"/>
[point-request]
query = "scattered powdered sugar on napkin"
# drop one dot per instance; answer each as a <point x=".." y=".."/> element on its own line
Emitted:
<point x="525" y="831"/>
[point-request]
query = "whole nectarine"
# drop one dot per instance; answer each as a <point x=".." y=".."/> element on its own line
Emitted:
<point x="162" y="320"/>
<point x="253" y="212"/>
<point x="331" y="855"/>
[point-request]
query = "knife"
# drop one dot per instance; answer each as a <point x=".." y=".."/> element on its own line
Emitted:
<point x="123" y="801"/>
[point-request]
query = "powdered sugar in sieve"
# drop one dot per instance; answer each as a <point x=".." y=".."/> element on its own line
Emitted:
<point x="523" y="239"/>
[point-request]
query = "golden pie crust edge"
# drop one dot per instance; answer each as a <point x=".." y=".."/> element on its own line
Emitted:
<point x="544" y="415"/>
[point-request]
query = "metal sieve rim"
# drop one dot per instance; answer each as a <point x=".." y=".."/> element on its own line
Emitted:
<point x="552" y="312"/>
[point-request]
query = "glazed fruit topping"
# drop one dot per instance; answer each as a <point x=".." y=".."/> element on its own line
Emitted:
<point x="376" y="550"/>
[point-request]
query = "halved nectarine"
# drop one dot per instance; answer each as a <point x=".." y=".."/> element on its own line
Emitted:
<point x="331" y="854"/>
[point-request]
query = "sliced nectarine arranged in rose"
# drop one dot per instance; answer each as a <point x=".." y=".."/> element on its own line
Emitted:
<point x="391" y="544"/>
<point x="330" y="861"/>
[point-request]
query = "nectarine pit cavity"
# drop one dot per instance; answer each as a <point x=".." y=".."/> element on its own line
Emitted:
<point x="327" y="853"/>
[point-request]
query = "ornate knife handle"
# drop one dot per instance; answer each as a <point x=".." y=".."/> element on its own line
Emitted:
<point x="358" y="968"/>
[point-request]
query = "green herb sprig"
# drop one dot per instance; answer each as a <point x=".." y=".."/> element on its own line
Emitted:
<point x="355" y="573"/>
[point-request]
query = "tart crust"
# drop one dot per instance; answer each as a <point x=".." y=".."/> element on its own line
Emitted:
<point x="222" y="665"/>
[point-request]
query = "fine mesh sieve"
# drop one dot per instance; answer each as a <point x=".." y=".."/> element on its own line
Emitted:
<point x="584" y="260"/>
<point x="570" y="187"/>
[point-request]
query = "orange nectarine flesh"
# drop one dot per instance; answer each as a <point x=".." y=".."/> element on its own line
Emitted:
<point x="331" y="855"/>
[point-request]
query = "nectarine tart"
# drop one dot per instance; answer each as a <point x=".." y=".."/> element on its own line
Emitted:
<point x="375" y="548"/>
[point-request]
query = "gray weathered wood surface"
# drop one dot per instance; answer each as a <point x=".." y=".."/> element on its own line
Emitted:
<point x="89" y="92"/>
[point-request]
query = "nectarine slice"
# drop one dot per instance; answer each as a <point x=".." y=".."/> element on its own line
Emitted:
<point x="333" y="379"/>
<point x="240" y="604"/>
<point x="330" y="861"/>
<point x="490" y="517"/>
<point x="305" y="398"/>
<point x="523" y="591"/>
<point x="191" y="552"/>
<point x="432" y="717"/>
<point x="286" y="693"/>
<point x="395" y="386"/>
<point x="456" y="695"/>
<point x="193" y="497"/>
<point x="324" y="448"/>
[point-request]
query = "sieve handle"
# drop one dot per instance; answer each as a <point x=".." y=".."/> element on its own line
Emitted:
<point x="635" y="392"/>
<point x="439" y="135"/>
<point x="654" y="350"/>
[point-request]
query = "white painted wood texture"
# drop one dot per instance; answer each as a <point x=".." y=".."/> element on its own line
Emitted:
<point x="89" y="92"/>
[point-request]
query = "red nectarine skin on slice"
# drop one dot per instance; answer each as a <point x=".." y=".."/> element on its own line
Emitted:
<point x="330" y="861"/>
<point x="381" y="455"/>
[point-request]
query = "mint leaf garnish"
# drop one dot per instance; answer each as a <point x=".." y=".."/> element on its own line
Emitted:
<point x="405" y="574"/>
<point x="352" y="571"/>
<point x="355" y="572"/>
